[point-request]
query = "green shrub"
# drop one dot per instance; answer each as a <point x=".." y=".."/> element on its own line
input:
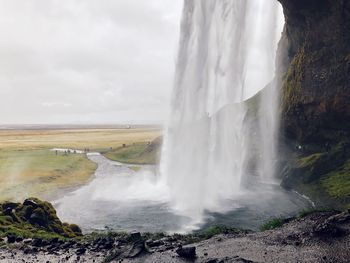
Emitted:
<point x="273" y="224"/>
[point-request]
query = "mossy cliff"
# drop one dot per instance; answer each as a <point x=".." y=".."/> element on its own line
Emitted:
<point x="315" y="103"/>
<point x="316" y="86"/>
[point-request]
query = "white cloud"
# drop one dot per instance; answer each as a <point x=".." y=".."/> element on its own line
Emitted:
<point x="65" y="61"/>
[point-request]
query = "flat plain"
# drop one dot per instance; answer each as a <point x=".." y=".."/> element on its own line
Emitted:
<point x="28" y="167"/>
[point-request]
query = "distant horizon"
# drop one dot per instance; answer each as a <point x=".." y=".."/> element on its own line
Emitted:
<point x="30" y="126"/>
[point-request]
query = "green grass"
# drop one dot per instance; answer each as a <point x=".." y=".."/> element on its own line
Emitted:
<point x="137" y="153"/>
<point x="28" y="168"/>
<point x="309" y="160"/>
<point x="38" y="172"/>
<point x="337" y="183"/>
<point x="273" y="224"/>
<point x="305" y="212"/>
<point x="18" y="222"/>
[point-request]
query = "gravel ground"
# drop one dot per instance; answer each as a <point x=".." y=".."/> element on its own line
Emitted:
<point x="320" y="237"/>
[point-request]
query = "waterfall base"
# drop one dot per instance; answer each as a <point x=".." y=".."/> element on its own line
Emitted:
<point x="120" y="199"/>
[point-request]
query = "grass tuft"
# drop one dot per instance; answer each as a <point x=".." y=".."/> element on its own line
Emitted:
<point x="273" y="224"/>
<point x="305" y="212"/>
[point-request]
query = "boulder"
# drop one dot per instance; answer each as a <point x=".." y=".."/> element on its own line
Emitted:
<point x="187" y="252"/>
<point x="11" y="238"/>
<point x="39" y="217"/>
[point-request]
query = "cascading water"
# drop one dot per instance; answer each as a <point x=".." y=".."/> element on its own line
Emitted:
<point x="227" y="54"/>
<point x="219" y="152"/>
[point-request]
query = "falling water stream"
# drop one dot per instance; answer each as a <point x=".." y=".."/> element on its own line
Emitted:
<point x="217" y="164"/>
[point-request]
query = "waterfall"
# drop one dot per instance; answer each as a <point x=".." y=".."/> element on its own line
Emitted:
<point x="226" y="55"/>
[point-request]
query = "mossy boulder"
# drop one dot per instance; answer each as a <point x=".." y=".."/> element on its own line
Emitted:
<point x="34" y="217"/>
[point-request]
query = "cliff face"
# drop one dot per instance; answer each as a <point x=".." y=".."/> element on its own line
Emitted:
<point x="315" y="106"/>
<point x="316" y="86"/>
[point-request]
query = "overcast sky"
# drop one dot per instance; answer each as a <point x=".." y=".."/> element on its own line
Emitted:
<point x="87" y="61"/>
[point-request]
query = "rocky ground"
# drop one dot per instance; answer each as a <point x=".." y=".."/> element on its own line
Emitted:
<point x="318" y="237"/>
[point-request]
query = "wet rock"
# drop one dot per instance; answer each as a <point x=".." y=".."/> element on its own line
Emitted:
<point x="186" y="252"/>
<point x="30" y="202"/>
<point x="135" y="236"/>
<point x="38" y="217"/>
<point x="19" y="239"/>
<point x="11" y="238"/>
<point x="37" y="242"/>
<point x="27" y="250"/>
<point x="154" y="243"/>
<point x="27" y="241"/>
<point x="9" y="205"/>
<point x="81" y="251"/>
<point x="327" y="230"/>
<point x="103" y="243"/>
<point x="54" y="241"/>
<point x="340" y="218"/>
<point x="136" y="249"/>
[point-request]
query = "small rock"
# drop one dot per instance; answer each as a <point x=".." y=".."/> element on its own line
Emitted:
<point x="54" y="240"/>
<point x="19" y="239"/>
<point x="81" y="251"/>
<point x="156" y="243"/>
<point x="186" y="252"/>
<point x="135" y="236"/>
<point x="30" y="202"/>
<point x="37" y="242"/>
<point x="9" y="205"/>
<point x="11" y="238"/>
<point x="27" y="241"/>
<point x="328" y="230"/>
<point x="136" y="249"/>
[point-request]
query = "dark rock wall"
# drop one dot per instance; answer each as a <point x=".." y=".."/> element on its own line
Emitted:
<point x="314" y="75"/>
<point x="316" y="81"/>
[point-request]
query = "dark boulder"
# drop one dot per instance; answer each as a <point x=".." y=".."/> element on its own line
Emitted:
<point x="31" y="202"/>
<point x="187" y="252"/>
<point x="37" y="242"/>
<point x="39" y="217"/>
<point x="9" y="205"/>
<point x="135" y="250"/>
<point x="135" y="236"/>
<point x="11" y="238"/>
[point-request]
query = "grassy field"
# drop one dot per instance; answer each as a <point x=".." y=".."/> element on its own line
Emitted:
<point x="95" y="139"/>
<point x="137" y="153"/>
<point x="29" y="168"/>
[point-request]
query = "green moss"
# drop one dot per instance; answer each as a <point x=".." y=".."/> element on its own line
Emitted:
<point x="309" y="160"/>
<point x="273" y="223"/>
<point x="35" y="218"/>
<point x="292" y="88"/>
<point x="337" y="183"/>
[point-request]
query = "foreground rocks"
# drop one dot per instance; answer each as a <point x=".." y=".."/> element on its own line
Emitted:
<point x="33" y="218"/>
<point x="318" y="237"/>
